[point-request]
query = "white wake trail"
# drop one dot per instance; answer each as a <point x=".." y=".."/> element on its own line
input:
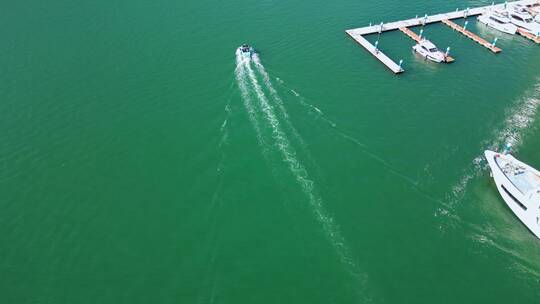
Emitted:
<point x="240" y="72"/>
<point x="320" y="115"/>
<point x="283" y="111"/>
<point x="519" y="118"/>
<point x="307" y="185"/>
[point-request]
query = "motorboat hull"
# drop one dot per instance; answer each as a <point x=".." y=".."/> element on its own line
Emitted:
<point x="426" y="55"/>
<point x="507" y="28"/>
<point x="246" y="51"/>
<point x="520" y="20"/>
<point x="524" y="206"/>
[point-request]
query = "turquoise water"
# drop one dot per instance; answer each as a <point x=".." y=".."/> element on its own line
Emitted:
<point x="141" y="163"/>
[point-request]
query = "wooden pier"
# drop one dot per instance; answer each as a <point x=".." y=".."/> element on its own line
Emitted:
<point x="472" y="36"/>
<point x="410" y="34"/>
<point x="528" y="35"/>
<point x="417" y="38"/>
<point x="357" y="33"/>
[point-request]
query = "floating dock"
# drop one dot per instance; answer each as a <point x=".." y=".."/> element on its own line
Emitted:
<point x="417" y="38"/>
<point x="528" y="35"/>
<point x="357" y="33"/>
<point x="473" y="36"/>
<point x="389" y="63"/>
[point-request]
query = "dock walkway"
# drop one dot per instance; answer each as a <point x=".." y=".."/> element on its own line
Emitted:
<point x="410" y="34"/>
<point x="472" y="36"/>
<point x="389" y="63"/>
<point x="528" y="35"/>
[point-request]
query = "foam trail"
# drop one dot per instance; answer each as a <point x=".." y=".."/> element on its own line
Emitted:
<point x="308" y="188"/>
<point x="321" y="115"/>
<point x="223" y="129"/>
<point x="281" y="107"/>
<point x="341" y="133"/>
<point x="518" y="251"/>
<point x="313" y="109"/>
<point x="517" y="121"/>
<point x="244" y="91"/>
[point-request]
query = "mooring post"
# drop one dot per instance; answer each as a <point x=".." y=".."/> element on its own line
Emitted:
<point x="400" y="63"/>
<point x="465" y="26"/>
<point x="494" y="42"/>
<point x="447" y="52"/>
<point x="421" y="33"/>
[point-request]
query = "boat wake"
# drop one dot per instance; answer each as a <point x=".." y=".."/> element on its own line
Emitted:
<point x="282" y="110"/>
<point x="271" y="109"/>
<point x="518" y="120"/>
<point x="241" y="79"/>
<point x="319" y="114"/>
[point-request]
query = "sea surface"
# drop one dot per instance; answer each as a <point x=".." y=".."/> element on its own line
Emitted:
<point x="143" y="161"/>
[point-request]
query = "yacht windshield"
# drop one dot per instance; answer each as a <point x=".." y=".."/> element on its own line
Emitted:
<point x="433" y="50"/>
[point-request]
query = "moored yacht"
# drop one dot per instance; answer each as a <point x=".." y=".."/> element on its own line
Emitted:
<point x="499" y="21"/>
<point x="524" y="20"/>
<point x="519" y="186"/>
<point x="429" y="51"/>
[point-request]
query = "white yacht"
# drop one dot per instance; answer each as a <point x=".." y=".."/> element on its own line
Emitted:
<point x="429" y="51"/>
<point x="524" y="20"/>
<point x="499" y="21"/>
<point x="519" y="186"/>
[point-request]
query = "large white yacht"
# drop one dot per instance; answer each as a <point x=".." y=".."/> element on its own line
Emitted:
<point x="499" y="21"/>
<point x="524" y="20"/>
<point x="519" y="186"/>
<point x="429" y="51"/>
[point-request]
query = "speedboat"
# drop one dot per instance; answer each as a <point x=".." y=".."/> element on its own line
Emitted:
<point x="519" y="186"/>
<point x="499" y="21"/>
<point x="429" y="51"/>
<point x="246" y="50"/>
<point x="524" y="20"/>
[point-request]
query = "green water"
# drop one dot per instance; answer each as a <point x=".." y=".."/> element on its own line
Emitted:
<point x="131" y="170"/>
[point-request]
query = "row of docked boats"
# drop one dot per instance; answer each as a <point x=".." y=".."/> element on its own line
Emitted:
<point x="506" y="20"/>
<point x="510" y="19"/>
